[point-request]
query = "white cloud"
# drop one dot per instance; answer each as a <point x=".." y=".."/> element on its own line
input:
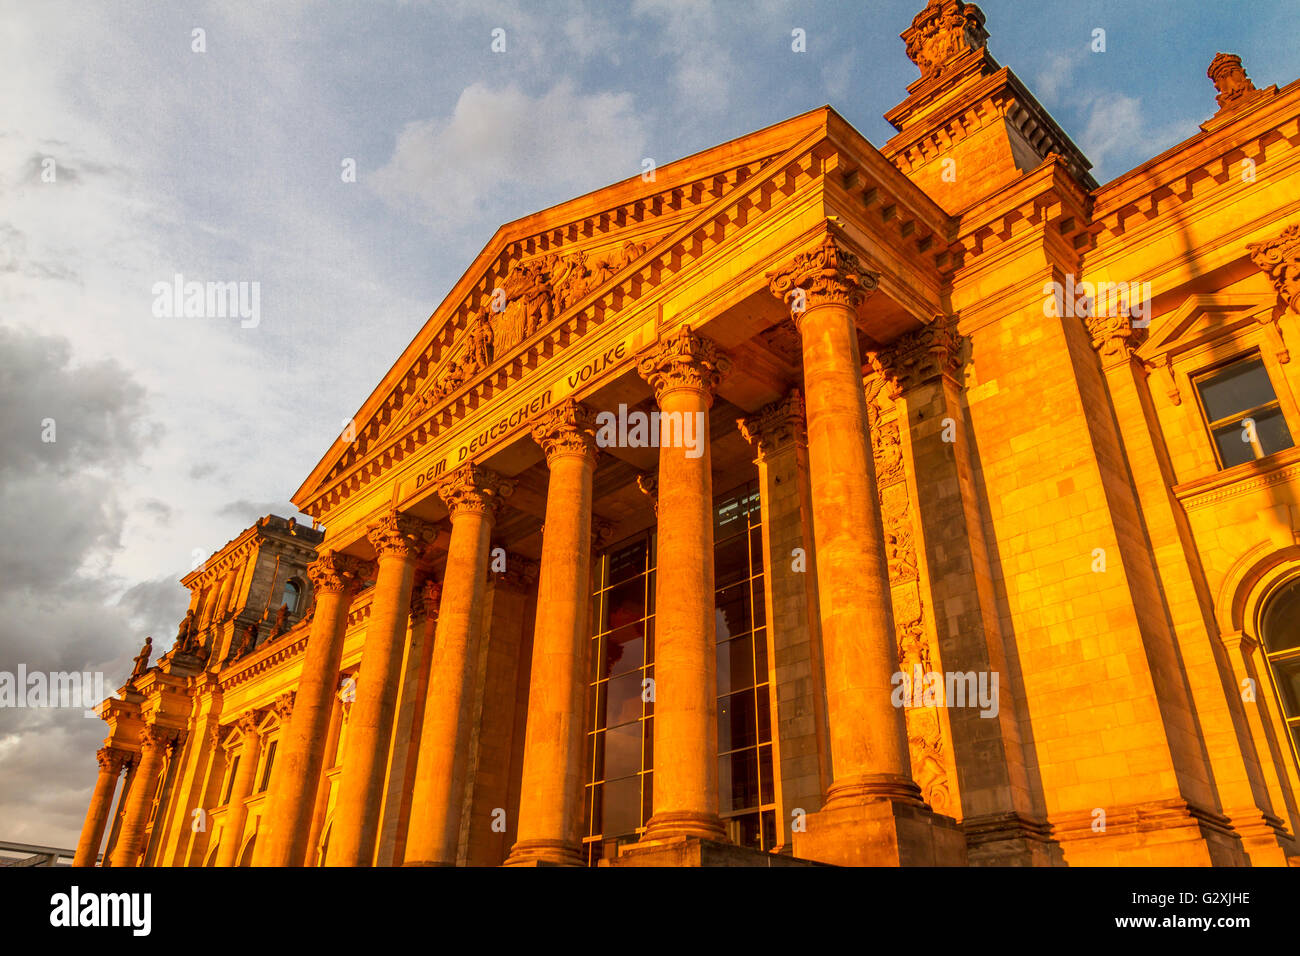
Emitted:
<point x="498" y="141"/>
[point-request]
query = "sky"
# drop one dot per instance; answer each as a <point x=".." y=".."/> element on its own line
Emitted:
<point x="133" y="150"/>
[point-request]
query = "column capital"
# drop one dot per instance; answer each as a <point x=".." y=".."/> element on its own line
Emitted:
<point x="684" y="359"/>
<point x="648" y="483"/>
<point x="775" y="426"/>
<point x="153" y="737"/>
<point x="1114" y="336"/>
<point x="1279" y="259"/>
<point x="567" y="430"/>
<point x="335" y="572"/>
<point x="247" y="724"/>
<point x="399" y="535"/>
<point x="828" y="273"/>
<point x="520" y="573"/>
<point x="283" y="705"/>
<point x="473" y="489"/>
<point x="110" y="760"/>
<point x="918" y="356"/>
<point x="424" y="603"/>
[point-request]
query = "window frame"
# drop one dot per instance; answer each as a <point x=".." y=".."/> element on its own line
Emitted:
<point x="1208" y="374"/>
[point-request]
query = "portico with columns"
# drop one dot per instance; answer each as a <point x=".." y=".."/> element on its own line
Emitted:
<point x="645" y="548"/>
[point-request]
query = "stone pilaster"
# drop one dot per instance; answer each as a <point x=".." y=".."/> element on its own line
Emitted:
<point x="472" y="495"/>
<point x="334" y="579"/>
<point x="101" y="800"/>
<point x="250" y="749"/>
<point x="778" y="435"/>
<point x="685" y="369"/>
<point x="398" y="540"/>
<point x="550" y="812"/>
<point x="873" y="813"/>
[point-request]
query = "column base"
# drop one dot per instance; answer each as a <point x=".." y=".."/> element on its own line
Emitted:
<point x="1155" y="833"/>
<point x="1010" y="839"/>
<point x="684" y="823"/>
<point x="544" y="853"/>
<point x="881" y="832"/>
<point x="690" y="851"/>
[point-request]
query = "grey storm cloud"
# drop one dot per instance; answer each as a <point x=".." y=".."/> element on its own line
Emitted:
<point x="61" y="514"/>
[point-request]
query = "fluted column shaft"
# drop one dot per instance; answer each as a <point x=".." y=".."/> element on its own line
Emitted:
<point x="685" y="370"/>
<point x="868" y="735"/>
<point x="471" y="495"/>
<point x="333" y="577"/>
<point x="236" y="812"/>
<point x="153" y="747"/>
<point x="550" y="807"/>
<point x="101" y="799"/>
<point x="397" y="539"/>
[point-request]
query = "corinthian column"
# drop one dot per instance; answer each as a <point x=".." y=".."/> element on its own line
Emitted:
<point x="684" y="371"/>
<point x="472" y="495"/>
<point x="398" y="540"/>
<point x="334" y="577"/>
<point x="154" y="744"/>
<point x="870" y="766"/>
<point x="92" y="831"/>
<point x="550" y="807"/>
<point x="241" y="787"/>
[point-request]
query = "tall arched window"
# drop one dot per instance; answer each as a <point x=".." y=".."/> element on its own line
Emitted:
<point x="292" y="594"/>
<point x="1280" y="631"/>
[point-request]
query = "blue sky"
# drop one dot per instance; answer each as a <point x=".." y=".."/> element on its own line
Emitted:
<point x="175" y="434"/>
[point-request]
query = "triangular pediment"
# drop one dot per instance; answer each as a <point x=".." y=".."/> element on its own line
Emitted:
<point x="1199" y="320"/>
<point x="538" y="274"/>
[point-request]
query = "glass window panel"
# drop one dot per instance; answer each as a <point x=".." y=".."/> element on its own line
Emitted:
<point x="769" y="829"/>
<point x="1232" y="450"/>
<point x="624" y="702"/>
<point x="593" y="809"/>
<point x="648" y="746"/>
<point x="744" y="830"/>
<point x="598" y="755"/>
<point x="621" y="806"/>
<point x="756" y="548"/>
<point x="589" y="755"/>
<point x="738" y="781"/>
<point x="623" y="750"/>
<point x="1235" y="389"/>
<point x="625" y="648"/>
<point x="764" y="714"/>
<point x="1271" y="431"/>
<point x="625" y="603"/>
<point x="1282" y="619"/>
<point x="760" y="656"/>
<point x="1288" y="683"/>
<point x="731" y="560"/>
<point x="760" y="602"/>
<point x="627" y="562"/>
<point x="647" y="798"/>
<point x="597" y="659"/>
<point x="268" y="766"/>
<point x="596" y="694"/>
<point x="649" y="705"/>
<point x="732" y="612"/>
<point x="736" y="723"/>
<point x="735" y="665"/>
<point x="767" y="792"/>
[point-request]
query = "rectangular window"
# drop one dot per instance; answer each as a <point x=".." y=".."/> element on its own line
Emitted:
<point x="230" y="781"/>
<point x="1242" y="412"/>
<point x="266" y="767"/>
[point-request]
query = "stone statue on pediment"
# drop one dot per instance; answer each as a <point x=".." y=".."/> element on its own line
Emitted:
<point x="142" y="659"/>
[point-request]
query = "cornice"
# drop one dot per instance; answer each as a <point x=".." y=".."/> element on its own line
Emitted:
<point x="1239" y="480"/>
<point x="1168" y="181"/>
<point x="999" y="96"/>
